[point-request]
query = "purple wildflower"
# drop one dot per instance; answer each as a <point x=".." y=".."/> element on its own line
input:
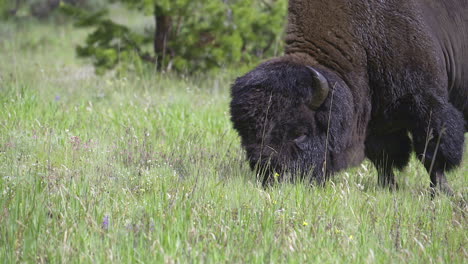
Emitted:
<point x="105" y="222"/>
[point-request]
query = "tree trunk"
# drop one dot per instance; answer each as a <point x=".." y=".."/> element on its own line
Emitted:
<point x="162" y="34"/>
<point x="12" y="12"/>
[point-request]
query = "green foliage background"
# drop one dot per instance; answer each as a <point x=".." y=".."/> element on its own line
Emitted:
<point x="203" y="34"/>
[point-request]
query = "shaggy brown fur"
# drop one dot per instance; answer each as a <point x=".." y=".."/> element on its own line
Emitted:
<point x="395" y="68"/>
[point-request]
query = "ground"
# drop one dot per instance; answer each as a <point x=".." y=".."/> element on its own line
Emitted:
<point x="145" y="167"/>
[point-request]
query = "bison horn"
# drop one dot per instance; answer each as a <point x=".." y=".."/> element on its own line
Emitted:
<point x="321" y="89"/>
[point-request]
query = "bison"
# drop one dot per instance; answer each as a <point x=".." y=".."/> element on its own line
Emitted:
<point x="358" y="79"/>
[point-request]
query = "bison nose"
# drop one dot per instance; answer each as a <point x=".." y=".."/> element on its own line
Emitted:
<point x="253" y="163"/>
<point x="269" y="151"/>
<point x="267" y="155"/>
<point x="260" y="164"/>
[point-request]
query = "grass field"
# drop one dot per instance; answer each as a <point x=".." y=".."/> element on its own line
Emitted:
<point x="146" y="168"/>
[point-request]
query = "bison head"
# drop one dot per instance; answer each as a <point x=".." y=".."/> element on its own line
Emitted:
<point x="293" y="119"/>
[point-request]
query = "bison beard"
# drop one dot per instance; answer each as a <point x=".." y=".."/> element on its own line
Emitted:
<point x="359" y="84"/>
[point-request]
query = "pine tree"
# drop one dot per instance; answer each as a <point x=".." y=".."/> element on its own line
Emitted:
<point x="188" y="35"/>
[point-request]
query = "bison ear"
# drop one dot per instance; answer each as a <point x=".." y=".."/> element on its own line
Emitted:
<point x="320" y="89"/>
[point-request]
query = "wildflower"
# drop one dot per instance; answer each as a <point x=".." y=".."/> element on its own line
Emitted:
<point x="105" y="222"/>
<point x="351" y="237"/>
<point x="75" y="142"/>
<point x="276" y="176"/>
<point x="305" y="223"/>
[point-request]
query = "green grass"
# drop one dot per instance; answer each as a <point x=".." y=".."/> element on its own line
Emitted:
<point x="147" y="168"/>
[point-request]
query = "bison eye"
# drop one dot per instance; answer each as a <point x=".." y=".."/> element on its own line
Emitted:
<point x="300" y="141"/>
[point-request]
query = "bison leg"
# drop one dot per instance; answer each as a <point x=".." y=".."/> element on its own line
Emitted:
<point x="388" y="152"/>
<point x="438" y="179"/>
<point x="439" y="141"/>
